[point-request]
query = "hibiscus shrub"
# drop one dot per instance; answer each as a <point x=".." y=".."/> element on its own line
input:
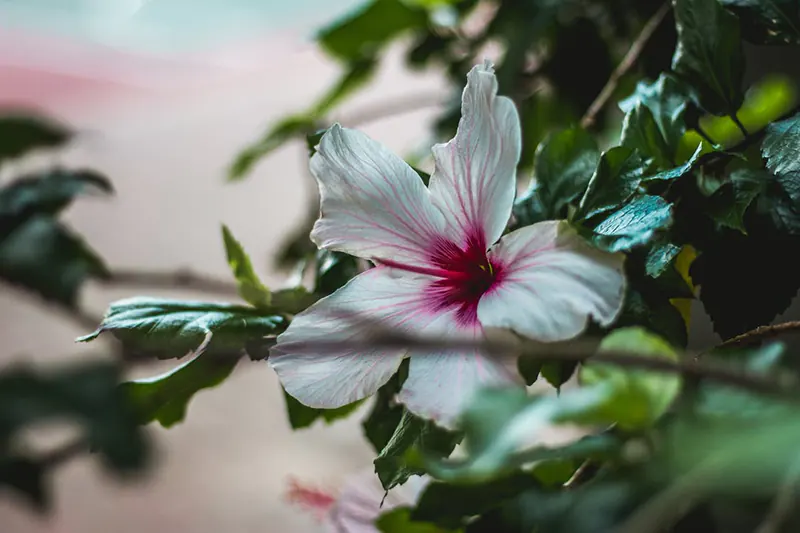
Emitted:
<point x="530" y="361"/>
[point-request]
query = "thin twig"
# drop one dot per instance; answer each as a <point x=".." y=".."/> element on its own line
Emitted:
<point x="181" y="279"/>
<point x="762" y="333"/>
<point x="627" y="63"/>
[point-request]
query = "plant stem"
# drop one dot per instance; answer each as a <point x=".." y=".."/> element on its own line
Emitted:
<point x="762" y="333"/>
<point x="627" y="63"/>
<point x="739" y="125"/>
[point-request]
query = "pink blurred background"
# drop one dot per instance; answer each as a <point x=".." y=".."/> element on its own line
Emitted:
<point x="164" y="126"/>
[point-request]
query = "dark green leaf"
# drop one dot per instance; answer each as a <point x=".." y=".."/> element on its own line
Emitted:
<point x="558" y="373"/>
<point x="729" y="203"/>
<point x="747" y="280"/>
<point x="616" y="178"/>
<point x="43" y="256"/>
<point x="413" y="436"/>
<point x="20" y="134"/>
<point x="301" y="416"/>
<point x="449" y="505"/>
<point x="768" y="21"/>
<point x="368" y="29"/>
<point x="46" y="193"/>
<point x="660" y="257"/>
<point x="174" y="328"/>
<point x="27" y="478"/>
<point x="250" y="287"/>
<point x="398" y="520"/>
<point x="165" y="398"/>
<point x="667" y="101"/>
<point x="709" y="54"/>
<point x="386" y="413"/>
<point x="529" y="368"/>
<point x="641" y="132"/>
<point x="635" y="224"/>
<point x="563" y="165"/>
<point x="87" y="393"/>
<point x="781" y="149"/>
<point x="334" y="270"/>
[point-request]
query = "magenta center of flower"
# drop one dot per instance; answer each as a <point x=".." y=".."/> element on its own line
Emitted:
<point x="462" y="275"/>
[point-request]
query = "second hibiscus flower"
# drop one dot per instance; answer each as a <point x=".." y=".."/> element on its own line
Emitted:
<point x="438" y="270"/>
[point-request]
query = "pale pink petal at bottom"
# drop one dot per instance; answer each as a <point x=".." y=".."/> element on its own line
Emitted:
<point x="441" y="384"/>
<point x="327" y="379"/>
<point x="359" y="503"/>
<point x="552" y="281"/>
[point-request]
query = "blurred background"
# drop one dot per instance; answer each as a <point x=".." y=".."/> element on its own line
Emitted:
<point x="163" y="95"/>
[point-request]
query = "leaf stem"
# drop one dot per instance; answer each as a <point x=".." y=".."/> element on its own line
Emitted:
<point x="739" y="125"/>
<point x="762" y="333"/>
<point x="627" y="63"/>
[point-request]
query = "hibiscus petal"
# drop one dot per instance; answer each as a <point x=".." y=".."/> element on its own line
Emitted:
<point x="363" y="500"/>
<point x="551" y="282"/>
<point x="440" y="384"/>
<point x="373" y="205"/>
<point x="475" y="176"/>
<point x="321" y="378"/>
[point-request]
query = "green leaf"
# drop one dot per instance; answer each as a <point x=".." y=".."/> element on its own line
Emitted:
<point x="780" y="148"/>
<point x="165" y="398"/>
<point x="638" y="397"/>
<point x="43" y="256"/>
<point x="87" y="393"/>
<point x="250" y="287"/>
<point x="47" y="193"/>
<point x="493" y="424"/>
<point x="709" y="54"/>
<point x="450" y="506"/>
<point x="729" y="203"/>
<point x="400" y="458"/>
<point x="660" y="257"/>
<point x="635" y="224"/>
<point x="22" y="133"/>
<point x="747" y="280"/>
<point x="398" y="520"/>
<point x="27" y="478"/>
<point x="384" y="418"/>
<point x="174" y="328"/>
<point x="641" y="132"/>
<point x="768" y="21"/>
<point x="367" y="30"/>
<point x="667" y="100"/>
<point x="563" y="165"/>
<point x="334" y="269"/>
<point x="558" y="373"/>
<point x="302" y="416"/>
<point x="529" y="368"/>
<point x="615" y="180"/>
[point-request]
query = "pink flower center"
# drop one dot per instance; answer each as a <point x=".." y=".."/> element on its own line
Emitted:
<point x="463" y="275"/>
